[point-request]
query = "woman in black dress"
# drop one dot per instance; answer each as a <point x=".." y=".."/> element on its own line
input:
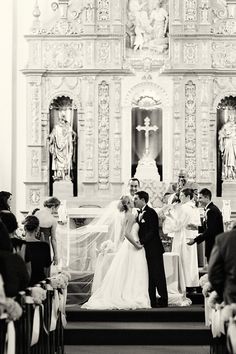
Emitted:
<point x="37" y="253"/>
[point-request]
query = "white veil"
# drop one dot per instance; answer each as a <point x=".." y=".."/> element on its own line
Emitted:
<point x="81" y="249"/>
<point x="102" y="234"/>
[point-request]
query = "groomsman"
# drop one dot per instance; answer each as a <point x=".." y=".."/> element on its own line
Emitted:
<point x="212" y="223"/>
<point x="134" y="186"/>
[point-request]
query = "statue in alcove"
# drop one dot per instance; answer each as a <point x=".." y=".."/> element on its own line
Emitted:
<point x="227" y="145"/>
<point x="61" y="146"/>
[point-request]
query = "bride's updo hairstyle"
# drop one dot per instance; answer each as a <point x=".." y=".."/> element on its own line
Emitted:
<point x="52" y="202"/>
<point x="123" y="203"/>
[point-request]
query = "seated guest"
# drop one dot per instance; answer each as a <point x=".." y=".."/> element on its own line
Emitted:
<point x="37" y="253"/>
<point x="12" y="267"/>
<point x="222" y="266"/>
<point x="9" y="219"/>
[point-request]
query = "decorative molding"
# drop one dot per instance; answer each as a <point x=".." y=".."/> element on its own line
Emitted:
<point x="176" y="52"/>
<point x="72" y="19"/>
<point x="35" y="159"/>
<point x="103" y="52"/>
<point x="74" y="95"/>
<point x="204" y="12"/>
<point x="35" y="113"/>
<point x="190" y="53"/>
<point x="151" y="89"/>
<point x="224" y="54"/>
<point x="89" y="131"/>
<point x="34" y="196"/>
<point x="177" y="127"/>
<point x="63" y="55"/>
<point x="190" y="129"/>
<point x="103" y="135"/>
<point x="103" y="10"/>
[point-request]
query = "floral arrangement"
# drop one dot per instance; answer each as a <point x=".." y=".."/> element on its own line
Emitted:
<point x="203" y="280"/>
<point x="213" y="299"/>
<point x="229" y="311"/>
<point x="13" y="309"/>
<point x="38" y="294"/>
<point x="59" y="281"/>
<point x="107" y="246"/>
<point x="66" y="274"/>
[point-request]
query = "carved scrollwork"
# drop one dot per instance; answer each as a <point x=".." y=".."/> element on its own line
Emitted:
<point x="103" y="10"/>
<point x="190" y="53"/>
<point x="224" y="54"/>
<point x="190" y="128"/>
<point x="35" y="163"/>
<point x="103" y="135"/>
<point x="35" y="114"/>
<point x="34" y="196"/>
<point x="190" y="10"/>
<point x="61" y="55"/>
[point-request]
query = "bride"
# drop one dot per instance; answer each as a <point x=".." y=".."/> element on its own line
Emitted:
<point x="125" y="285"/>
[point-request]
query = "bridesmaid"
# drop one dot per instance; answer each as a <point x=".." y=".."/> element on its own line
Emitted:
<point x="48" y="224"/>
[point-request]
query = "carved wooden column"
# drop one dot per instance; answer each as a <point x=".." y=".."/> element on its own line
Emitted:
<point x="45" y="152"/>
<point x="177" y="159"/>
<point x="115" y="158"/>
<point x="190" y="128"/>
<point x="35" y="187"/>
<point x="203" y="126"/>
<point x="89" y="131"/>
<point x="103" y="134"/>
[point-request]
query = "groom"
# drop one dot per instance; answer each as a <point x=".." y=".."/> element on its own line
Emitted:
<point x="150" y="239"/>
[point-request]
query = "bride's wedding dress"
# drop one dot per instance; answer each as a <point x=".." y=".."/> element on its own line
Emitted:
<point x="125" y="285"/>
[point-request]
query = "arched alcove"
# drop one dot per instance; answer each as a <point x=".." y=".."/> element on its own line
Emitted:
<point x="226" y="141"/>
<point x="147" y="99"/>
<point x="63" y="149"/>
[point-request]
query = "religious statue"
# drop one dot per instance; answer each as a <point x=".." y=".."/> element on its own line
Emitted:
<point x="147" y="23"/>
<point x="227" y="146"/>
<point x="158" y="20"/>
<point x="61" y="141"/>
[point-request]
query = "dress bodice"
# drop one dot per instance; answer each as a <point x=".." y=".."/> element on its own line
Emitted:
<point x="45" y="233"/>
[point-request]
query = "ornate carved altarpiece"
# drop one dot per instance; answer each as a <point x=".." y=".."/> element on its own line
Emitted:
<point x="97" y="53"/>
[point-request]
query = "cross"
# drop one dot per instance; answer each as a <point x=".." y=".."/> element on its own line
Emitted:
<point x="147" y="128"/>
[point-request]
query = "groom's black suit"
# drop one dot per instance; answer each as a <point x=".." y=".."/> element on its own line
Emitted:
<point x="149" y="237"/>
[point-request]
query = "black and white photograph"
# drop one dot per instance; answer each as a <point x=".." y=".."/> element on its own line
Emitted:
<point x="118" y="177"/>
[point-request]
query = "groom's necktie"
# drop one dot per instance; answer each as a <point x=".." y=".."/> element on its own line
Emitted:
<point x="139" y="212"/>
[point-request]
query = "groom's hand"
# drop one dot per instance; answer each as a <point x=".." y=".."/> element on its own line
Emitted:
<point x="138" y="245"/>
<point x="192" y="227"/>
<point x="190" y="242"/>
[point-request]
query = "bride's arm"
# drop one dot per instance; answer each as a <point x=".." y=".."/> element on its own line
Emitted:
<point x="127" y="233"/>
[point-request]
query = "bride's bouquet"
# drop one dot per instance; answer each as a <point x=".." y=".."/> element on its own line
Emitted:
<point x="107" y="247"/>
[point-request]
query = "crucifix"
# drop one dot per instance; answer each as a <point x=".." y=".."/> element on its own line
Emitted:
<point x="147" y="128"/>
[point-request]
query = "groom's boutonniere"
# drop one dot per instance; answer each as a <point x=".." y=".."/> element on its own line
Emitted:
<point x="141" y="217"/>
<point x="142" y="221"/>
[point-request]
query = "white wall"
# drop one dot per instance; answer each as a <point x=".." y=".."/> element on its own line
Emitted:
<point x="6" y="31"/>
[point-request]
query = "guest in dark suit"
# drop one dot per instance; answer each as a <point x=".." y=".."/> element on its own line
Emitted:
<point x="222" y="266"/>
<point x="212" y="223"/>
<point x="150" y="239"/>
